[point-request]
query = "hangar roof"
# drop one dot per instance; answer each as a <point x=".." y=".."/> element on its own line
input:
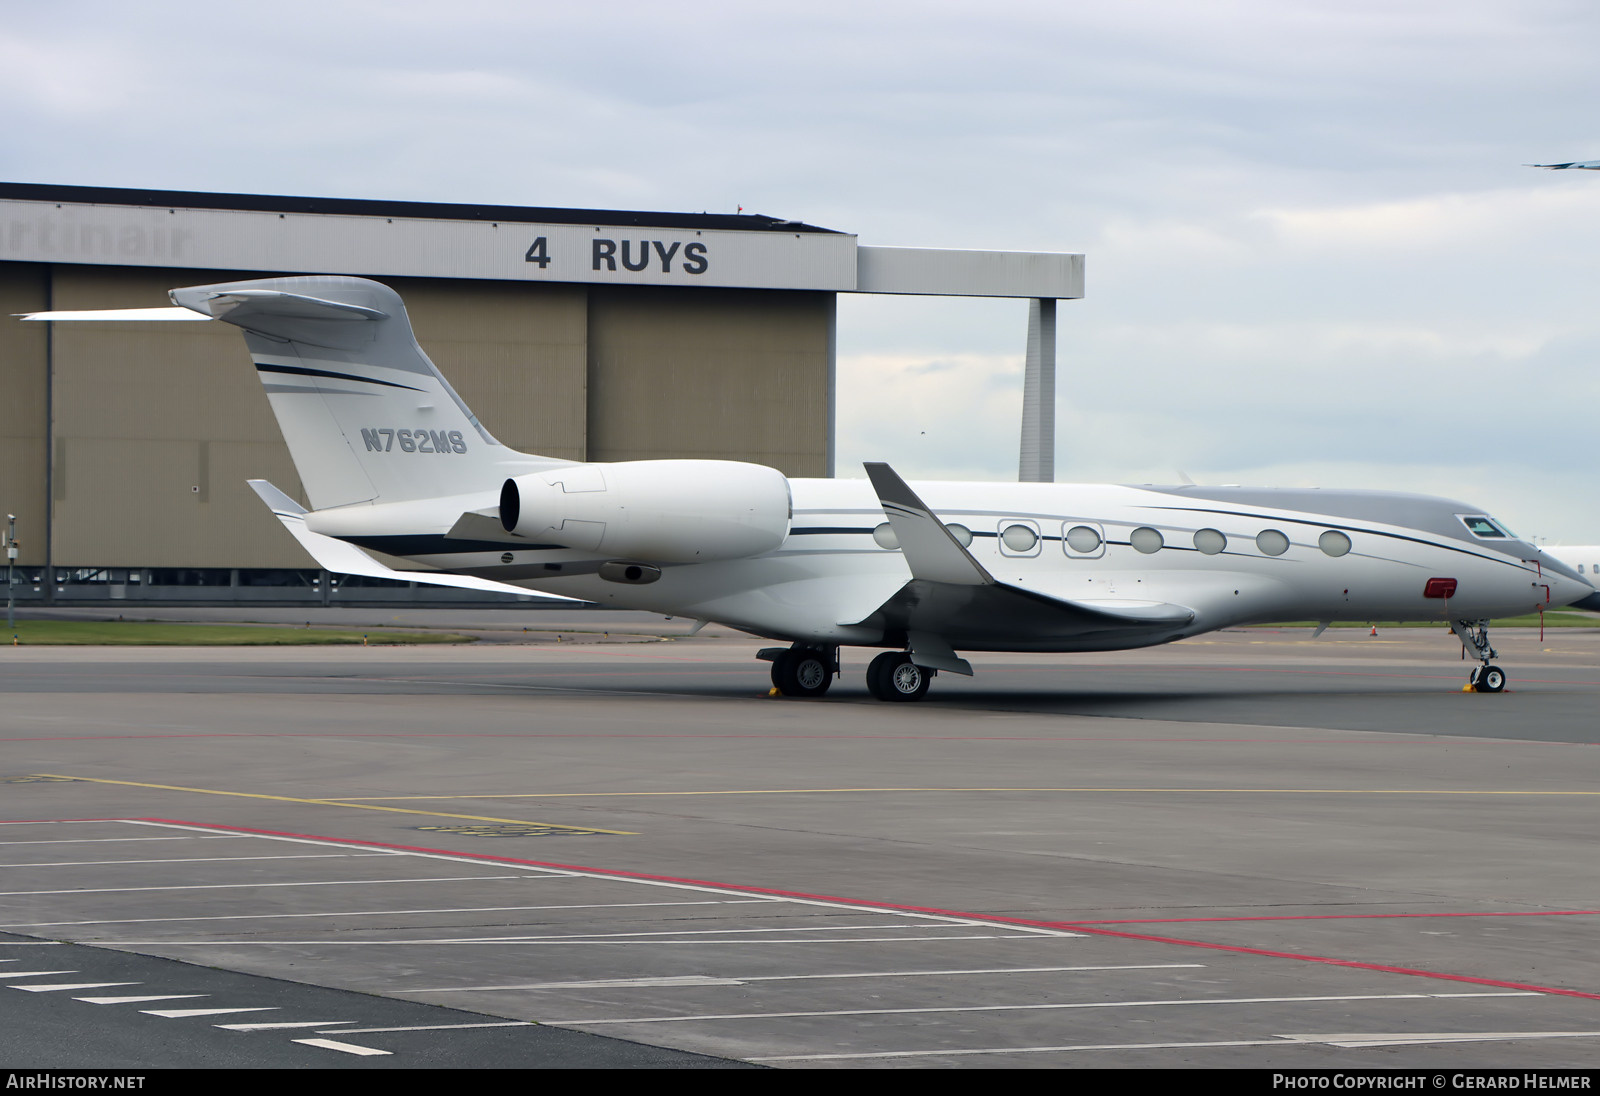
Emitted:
<point x="112" y="226"/>
<point x="363" y="207"/>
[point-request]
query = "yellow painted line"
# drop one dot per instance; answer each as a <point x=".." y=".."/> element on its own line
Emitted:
<point x="343" y="803"/>
<point x="878" y="791"/>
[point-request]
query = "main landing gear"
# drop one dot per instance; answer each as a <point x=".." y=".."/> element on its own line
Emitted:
<point x="893" y="676"/>
<point x="1474" y="636"/>
<point x="808" y="671"/>
<point x="802" y="671"/>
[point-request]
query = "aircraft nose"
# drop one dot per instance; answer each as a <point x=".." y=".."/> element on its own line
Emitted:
<point x="1567" y="587"/>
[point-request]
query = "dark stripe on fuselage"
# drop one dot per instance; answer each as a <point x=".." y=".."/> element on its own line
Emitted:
<point x="302" y="371"/>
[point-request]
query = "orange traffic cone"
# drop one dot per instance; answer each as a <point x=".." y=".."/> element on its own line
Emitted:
<point x="1374" y="629"/>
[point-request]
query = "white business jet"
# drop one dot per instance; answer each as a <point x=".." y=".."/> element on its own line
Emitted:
<point x="393" y="462"/>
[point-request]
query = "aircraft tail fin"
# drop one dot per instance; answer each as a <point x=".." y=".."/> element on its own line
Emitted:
<point x="367" y="417"/>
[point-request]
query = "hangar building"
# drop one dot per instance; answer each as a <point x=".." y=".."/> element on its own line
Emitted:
<point x="585" y="334"/>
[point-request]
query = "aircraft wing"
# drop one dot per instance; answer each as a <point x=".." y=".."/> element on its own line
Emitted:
<point x="341" y="558"/>
<point x="1582" y="165"/>
<point x="953" y="600"/>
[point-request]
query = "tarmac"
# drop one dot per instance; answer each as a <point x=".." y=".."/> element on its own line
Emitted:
<point x="1256" y="849"/>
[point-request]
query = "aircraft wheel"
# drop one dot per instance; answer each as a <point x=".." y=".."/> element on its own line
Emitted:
<point x="893" y="676"/>
<point x="877" y="672"/>
<point x="1491" y="679"/>
<point x="802" y="672"/>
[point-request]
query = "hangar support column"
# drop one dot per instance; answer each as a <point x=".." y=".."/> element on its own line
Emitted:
<point x="1038" y="462"/>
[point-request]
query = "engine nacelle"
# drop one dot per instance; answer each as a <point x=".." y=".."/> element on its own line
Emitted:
<point x="671" y="511"/>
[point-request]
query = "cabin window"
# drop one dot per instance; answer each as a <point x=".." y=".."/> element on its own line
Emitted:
<point x="962" y="534"/>
<point x="1019" y="539"/>
<point x="1210" y="541"/>
<point x="1271" y="542"/>
<point x="1146" y="540"/>
<point x="1334" y="543"/>
<point x="1083" y="540"/>
<point x="884" y="535"/>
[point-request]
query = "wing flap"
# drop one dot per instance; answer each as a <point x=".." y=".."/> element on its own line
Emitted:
<point x="1005" y="617"/>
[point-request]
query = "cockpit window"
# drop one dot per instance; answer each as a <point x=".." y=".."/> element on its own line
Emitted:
<point x="1480" y="526"/>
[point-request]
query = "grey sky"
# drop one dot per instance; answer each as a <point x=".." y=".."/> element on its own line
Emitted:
<point x="1313" y="255"/>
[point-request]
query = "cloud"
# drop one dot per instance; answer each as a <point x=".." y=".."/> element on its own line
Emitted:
<point x="1312" y="250"/>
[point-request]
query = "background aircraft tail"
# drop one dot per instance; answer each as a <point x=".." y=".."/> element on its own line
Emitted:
<point x="365" y="414"/>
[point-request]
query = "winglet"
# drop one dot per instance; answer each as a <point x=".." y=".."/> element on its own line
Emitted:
<point x="929" y="549"/>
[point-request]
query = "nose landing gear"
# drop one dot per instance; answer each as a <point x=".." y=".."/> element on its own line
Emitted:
<point x="1474" y="636"/>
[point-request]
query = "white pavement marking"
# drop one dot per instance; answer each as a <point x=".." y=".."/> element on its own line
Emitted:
<point x="1400" y="1039"/>
<point x="436" y="1027"/>
<point x="59" y="987"/>
<point x="666" y="932"/>
<point x="65" y="821"/>
<point x="348" y="1048"/>
<point x="246" y="886"/>
<point x="603" y="983"/>
<point x="704" y="888"/>
<point x="706" y="980"/>
<point x="957" y="1053"/>
<point x="1278" y="1041"/>
<point x="35" y="973"/>
<point x="501" y="942"/>
<point x="1033" y="1008"/>
<point x="382" y="913"/>
<point x="282" y="1026"/>
<point x="200" y="859"/>
<point x="140" y="1000"/>
<point x="109" y="840"/>
<point x="185" y="1013"/>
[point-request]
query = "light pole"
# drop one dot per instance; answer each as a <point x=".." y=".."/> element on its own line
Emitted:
<point x="11" y="575"/>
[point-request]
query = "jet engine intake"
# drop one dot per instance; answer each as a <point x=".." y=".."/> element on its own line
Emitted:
<point x="669" y="511"/>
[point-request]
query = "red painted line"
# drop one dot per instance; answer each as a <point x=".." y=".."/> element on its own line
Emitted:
<point x="1060" y="926"/>
<point x="1327" y="961"/>
<point x="1335" y="917"/>
<point x="617" y="873"/>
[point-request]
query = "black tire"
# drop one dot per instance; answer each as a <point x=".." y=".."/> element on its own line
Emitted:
<point x="802" y="672"/>
<point x="1491" y="679"/>
<point x="878" y="673"/>
<point x="893" y="676"/>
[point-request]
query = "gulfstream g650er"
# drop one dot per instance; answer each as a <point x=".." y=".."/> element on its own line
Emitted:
<point x="393" y="462"/>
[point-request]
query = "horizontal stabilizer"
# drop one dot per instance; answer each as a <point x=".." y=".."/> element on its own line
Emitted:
<point x="346" y="559"/>
<point x="240" y="306"/>
<point x="119" y="315"/>
<point x="284" y="316"/>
